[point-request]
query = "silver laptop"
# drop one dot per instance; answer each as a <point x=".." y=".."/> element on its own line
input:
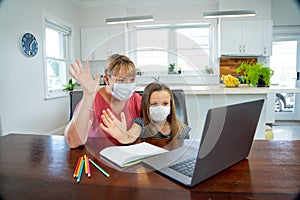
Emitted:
<point x="226" y="139"/>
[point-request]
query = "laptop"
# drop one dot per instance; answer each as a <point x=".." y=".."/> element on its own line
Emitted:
<point x="227" y="137"/>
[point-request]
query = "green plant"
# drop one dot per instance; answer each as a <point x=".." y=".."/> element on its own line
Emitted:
<point x="254" y="72"/>
<point x="70" y="86"/>
<point x="171" y="67"/>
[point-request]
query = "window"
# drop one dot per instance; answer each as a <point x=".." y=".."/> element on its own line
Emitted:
<point x="188" y="46"/>
<point x="283" y="62"/>
<point x="57" y="46"/>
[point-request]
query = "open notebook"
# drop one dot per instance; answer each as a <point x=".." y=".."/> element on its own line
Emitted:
<point x="125" y="156"/>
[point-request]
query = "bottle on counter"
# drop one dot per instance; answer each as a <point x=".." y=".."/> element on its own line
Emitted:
<point x="179" y="70"/>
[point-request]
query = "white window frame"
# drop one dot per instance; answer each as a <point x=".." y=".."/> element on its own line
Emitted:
<point x="50" y="21"/>
<point x="286" y="33"/>
<point x="171" y="59"/>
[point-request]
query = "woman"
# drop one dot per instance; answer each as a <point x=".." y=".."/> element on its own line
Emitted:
<point x="117" y="95"/>
<point x="158" y="118"/>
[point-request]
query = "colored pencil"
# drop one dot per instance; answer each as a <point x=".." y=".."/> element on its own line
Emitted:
<point x="81" y="160"/>
<point x="85" y="165"/>
<point x="80" y="171"/>
<point x="88" y="166"/>
<point x="75" y="174"/>
<point x="98" y="167"/>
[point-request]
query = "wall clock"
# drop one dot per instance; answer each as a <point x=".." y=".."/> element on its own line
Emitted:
<point x="29" y="44"/>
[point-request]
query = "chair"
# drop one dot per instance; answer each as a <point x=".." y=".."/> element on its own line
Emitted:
<point x="180" y="105"/>
<point x="75" y="97"/>
<point x="179" y="98"/>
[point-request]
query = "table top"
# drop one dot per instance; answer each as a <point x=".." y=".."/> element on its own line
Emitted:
<point x="41" y="167"/>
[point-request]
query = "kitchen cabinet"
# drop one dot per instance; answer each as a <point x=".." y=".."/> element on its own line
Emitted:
<point x="267" y="37"/>
<point x="100" y="42"/>
<point x="245" y="38"/>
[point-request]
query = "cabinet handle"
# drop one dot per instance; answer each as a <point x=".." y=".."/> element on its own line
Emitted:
<point x="240" y="48"/>
<point x="244" y="49"/>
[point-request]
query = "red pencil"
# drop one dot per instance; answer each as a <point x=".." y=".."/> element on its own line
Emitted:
<point x="75" y="174"/>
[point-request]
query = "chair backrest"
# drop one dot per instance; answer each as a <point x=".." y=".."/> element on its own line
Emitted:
<point x="180" y="104"/>
<point x="75" y="97"/>
<point x="179" y="98"/>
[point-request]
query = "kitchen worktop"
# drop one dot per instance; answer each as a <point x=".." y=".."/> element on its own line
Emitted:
<point x="199" y="98"/>
<point x="221" y="89"/>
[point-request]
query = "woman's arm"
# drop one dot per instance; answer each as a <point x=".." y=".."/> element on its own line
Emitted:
<point x="118" y="129"/>
<point x="76" y="132"/>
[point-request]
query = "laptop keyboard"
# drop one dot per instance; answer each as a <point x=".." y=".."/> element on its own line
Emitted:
<point x="185" y="167"/>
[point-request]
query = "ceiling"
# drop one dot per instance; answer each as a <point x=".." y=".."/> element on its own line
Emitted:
<point x="135" y="3"/>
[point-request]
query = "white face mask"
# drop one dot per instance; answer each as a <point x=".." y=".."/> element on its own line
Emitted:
<point x="123" y="91"/>
<point x="159" y="113"/>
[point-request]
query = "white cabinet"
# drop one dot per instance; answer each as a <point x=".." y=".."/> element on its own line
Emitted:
<point x="87" y="44"/>
<point x="100" y="42"/>
<point x="267" y="37"/>
<point x="244" y="38"/>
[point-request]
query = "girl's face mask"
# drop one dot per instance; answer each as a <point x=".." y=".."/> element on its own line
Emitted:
<point x="159" y="113"/>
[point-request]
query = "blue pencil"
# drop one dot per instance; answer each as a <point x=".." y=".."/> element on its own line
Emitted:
<point x="80" y="171"/>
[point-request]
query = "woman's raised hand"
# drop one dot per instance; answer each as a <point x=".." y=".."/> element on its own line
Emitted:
<point x="84" y="77"/>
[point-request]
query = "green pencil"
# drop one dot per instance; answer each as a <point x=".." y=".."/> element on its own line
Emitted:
<point x="98" y="167"/>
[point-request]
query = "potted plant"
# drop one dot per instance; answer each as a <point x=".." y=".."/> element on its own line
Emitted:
<point x="70" y="86"/>
<point x="171" y="68"/>
<point x="255" y="73"/>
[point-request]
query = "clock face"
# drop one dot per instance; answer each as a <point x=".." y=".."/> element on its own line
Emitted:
<point x="29" y="45"/>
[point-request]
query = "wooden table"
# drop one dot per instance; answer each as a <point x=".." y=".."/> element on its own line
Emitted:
<point x="41" y="167"/>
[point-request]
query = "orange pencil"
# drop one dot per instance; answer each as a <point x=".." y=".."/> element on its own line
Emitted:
<point x="88" y="165"/>
<point x="85" y="165"/>
<point x="75" y="174"/>
<point x="78" y="171"/>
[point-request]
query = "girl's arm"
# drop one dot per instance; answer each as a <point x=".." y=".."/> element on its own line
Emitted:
<point x="118" y="129"/>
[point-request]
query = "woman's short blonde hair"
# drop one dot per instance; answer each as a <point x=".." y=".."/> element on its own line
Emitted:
<point x="117" y="63"/>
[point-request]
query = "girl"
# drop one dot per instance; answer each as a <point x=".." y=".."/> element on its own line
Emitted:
<point x="158" y="118"/>
<point x="117" y="95"/>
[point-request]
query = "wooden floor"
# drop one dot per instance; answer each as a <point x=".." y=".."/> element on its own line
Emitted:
<point x="284" y="130"/>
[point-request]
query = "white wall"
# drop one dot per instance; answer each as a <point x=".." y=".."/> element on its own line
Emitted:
<point x="286" y="12"/>
<point x="22" y="105"/>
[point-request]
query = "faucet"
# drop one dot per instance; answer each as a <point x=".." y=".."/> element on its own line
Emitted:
<point x="155" y="78"/>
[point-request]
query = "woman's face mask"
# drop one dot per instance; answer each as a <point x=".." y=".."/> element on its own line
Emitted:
<point x="159" y="113"/>
<point x="123" y="91"/>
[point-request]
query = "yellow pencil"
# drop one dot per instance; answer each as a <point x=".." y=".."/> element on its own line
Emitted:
<point x="85" y="164"/>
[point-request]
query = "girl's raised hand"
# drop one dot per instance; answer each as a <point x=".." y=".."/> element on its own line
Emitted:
<point x="112" y="125"/>
<point x="84" y="77"/>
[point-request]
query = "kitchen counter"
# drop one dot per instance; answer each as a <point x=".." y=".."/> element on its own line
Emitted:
<point x="199" y="98"/>
<point x="221" y="89"/>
